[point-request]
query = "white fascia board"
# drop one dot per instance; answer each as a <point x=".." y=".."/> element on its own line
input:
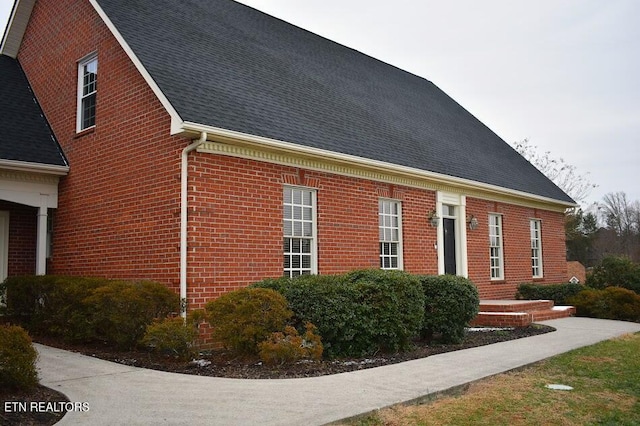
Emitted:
<point x="16" y="27"/>
<point x="288" y="147"/>
<point x="176" y="121"/>
<point x="25" y="166"/>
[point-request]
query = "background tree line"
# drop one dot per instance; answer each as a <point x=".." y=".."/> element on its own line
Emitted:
<point x="610" y="227"/>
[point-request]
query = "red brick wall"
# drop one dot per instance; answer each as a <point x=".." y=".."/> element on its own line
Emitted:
<point x="23" y="222"/>
<point x="119" y="206"/>
<point x="118" y="210"/>
<point x="516" y="247"/>
<point x="235" y="235"/>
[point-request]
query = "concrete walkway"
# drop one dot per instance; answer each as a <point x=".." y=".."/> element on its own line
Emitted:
<point x="119" y="395"/>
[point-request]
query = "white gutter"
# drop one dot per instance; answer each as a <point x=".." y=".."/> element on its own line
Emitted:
<point x="25" y="166"/>
<point x="184" y="192"/>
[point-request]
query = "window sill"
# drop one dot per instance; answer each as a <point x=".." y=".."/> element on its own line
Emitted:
<point x="85" y="132"/>
<point x="498" y="281"/>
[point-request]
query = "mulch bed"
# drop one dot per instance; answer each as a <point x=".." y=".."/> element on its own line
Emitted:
<point x="221" y="363"/>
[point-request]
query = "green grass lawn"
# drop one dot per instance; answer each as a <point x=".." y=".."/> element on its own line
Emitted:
<point x="606" y="389"/>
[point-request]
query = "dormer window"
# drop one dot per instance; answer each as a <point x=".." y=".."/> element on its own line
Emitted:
<point x="87" y="89"/>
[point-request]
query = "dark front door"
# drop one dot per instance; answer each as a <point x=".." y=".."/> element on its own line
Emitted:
<point x="449" y="245"/>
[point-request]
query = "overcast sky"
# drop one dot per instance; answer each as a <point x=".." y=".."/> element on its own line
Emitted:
<point x="563" y="73"/>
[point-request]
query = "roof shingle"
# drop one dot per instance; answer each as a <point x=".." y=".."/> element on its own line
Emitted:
<point x="25" y="134"/>
<point x="226" y="65"/>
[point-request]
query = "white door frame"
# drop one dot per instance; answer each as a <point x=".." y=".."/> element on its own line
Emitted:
<point x="460" y="202"/>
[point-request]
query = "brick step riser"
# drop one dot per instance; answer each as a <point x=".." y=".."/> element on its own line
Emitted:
<point x="519" y="307"/>
<point x="521" y="319"/>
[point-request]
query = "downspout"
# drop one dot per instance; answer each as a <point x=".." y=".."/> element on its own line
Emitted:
<point x="184" y="192"/>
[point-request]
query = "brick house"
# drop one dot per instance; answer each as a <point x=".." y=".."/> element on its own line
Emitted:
<point x="208" y="145"/>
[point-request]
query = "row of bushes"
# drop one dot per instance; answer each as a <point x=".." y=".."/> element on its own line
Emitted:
<point x="358" y="313"/>
<point x="612" y="291"/>
<point x="559" y="293"/>
<point x="608" y="303"/>
<point x="88" y="309"/>
<point x="366" y="311"/>
<point x="17" y="360"/>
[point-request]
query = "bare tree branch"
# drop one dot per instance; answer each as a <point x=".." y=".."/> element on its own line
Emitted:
<point x="565" y="175"/>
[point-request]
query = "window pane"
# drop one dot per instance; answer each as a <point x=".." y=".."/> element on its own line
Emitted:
<point x="308" y="230"/>
<point x="88" y="111"/>
<point x="394" y="249"/>
<point x="288" y="228"/>
<point x="297" y="196"/>
<point x="307" y="198"/>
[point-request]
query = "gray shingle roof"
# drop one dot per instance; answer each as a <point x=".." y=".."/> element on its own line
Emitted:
<point x="223" y="64"/>
<point x="25" y="134"/>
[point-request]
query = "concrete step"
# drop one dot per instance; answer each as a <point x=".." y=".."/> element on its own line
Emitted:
<point x="518" y="313"/>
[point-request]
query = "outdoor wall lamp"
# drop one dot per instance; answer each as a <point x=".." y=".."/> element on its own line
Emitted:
<point x="433" y="218"/>
<point x="472" y="221"/>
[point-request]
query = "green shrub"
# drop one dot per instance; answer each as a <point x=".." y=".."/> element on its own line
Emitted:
<point x="88" y="309"/>
<point x="358" y="313"/>
<point x="52" y="304"/>
<point x="288" y="346"/>
<point x="174" y="336"/>
<point x="243" y="318"/>
<point x="559" y="293"/>
<point x="394" y="303"/>
<point x="615" y="303"/>
<point x="615" y="271"/>
<point x="329" y="302"/>
<point x="17" y="360"/>
<point x="450" y="303"/>
<point x="121" y="310"/>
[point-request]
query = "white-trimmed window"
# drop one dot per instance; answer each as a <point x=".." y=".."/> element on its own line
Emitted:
<point x="299" y="224"/>
<point x="495" y="247"/>
<point x="87" y="90"/>
<point x="536" y="248"/>
<point x="390" y="230"/>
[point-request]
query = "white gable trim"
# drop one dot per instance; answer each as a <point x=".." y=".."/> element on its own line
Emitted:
<point x="176" y="121"/>
<point x="18" y="24"/>
<point x="16" y="27"/>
